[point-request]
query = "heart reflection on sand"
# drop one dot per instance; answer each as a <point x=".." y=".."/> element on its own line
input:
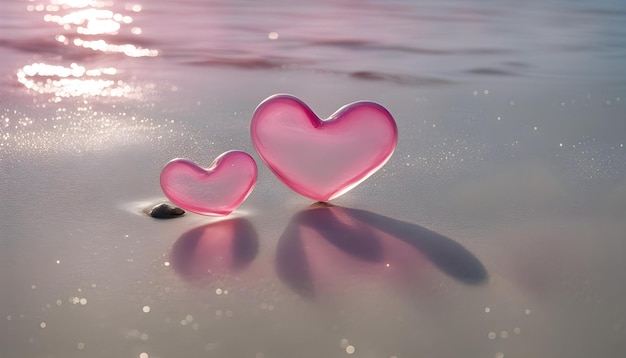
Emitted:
<point x="327" y="246"/>
<point x="217" y="248"/>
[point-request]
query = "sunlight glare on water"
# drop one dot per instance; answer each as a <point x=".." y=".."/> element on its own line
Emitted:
<point x="79" y="56"/>
<point x="88" y="25"/>
<point x="74" y="81"/>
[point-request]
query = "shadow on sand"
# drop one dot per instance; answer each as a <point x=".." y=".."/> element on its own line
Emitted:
<point x="366" y="237"/>
<point x="221" y="247"/>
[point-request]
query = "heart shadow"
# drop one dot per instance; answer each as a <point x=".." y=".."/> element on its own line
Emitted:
<point x="324" y="244"/>
<point x="217" y="248"/>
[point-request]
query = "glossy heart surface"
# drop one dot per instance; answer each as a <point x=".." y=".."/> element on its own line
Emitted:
<point x="322" y="158"/>
<point x="216" y="190"/>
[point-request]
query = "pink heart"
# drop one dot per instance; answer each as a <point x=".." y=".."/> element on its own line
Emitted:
<point x="322" y="158"/>
<point x="217" y="190"/>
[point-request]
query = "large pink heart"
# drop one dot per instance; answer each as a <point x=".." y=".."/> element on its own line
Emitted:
<point x="322" y="159"/>
<point x="217" y="190"/>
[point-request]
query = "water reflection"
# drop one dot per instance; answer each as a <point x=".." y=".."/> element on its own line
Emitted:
<point x="72" y="81"/>
<point x="326" y="247"/>
<point x="93" y="18"/>
<point x="90" y="25"/>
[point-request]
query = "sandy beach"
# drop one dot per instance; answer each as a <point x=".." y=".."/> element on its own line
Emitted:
<point x="496" y="229"/>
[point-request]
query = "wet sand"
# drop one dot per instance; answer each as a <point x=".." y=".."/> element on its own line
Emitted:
<point x="481" y="231"/>
<point x="495" y="230"/>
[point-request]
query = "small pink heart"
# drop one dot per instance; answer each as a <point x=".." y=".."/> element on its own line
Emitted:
<point x="217" y="190"/>
<point x="322" y="159"/>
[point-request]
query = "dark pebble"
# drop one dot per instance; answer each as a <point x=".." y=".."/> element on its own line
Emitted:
<point x="165" y="211"/>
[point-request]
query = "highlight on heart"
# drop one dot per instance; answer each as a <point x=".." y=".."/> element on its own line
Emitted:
<point x="216" y="190"/>
<point x="322" y="158"/>
<point x="317" y="158"/>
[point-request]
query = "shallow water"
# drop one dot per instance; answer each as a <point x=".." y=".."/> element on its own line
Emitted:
<point x="495" y="230"/>
<point x="407" y="42"/>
